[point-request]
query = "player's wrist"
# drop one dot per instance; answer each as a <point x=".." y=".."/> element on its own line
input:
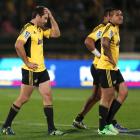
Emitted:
<point x="51" y="18"/>
<point x="112" y="62"/>
<point x="96" y="52"/>
<point x="26" y="62"/>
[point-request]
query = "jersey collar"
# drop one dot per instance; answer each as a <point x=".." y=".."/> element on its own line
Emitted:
<point x="112" y="24"/>
<point x="34" y="25"/>
<point x="31" y="23"/>
<point x="104" y="23"/>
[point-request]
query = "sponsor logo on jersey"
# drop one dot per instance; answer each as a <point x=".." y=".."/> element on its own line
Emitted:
<point x="26" y="35"/>
<point x="111" y="34"/>
<point x="99" y="34"/>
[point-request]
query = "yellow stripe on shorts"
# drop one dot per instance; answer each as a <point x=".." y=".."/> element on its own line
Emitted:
<point x="109" y="78"/>
<point x="31" y="78"/>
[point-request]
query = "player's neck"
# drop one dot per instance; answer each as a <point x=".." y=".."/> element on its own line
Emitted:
<point x="104" y="22"/>
<point x="34" y="22"/>
<point x="113" y="23"/>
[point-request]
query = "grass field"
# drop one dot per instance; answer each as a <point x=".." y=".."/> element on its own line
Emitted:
<point x="30" y="123"/>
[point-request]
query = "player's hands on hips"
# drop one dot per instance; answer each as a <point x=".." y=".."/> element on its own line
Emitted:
<point x="31" y="65"/>
<point x="113" y="63"/>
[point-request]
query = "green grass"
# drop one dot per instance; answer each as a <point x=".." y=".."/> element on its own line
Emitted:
<point x="30" y="123"/>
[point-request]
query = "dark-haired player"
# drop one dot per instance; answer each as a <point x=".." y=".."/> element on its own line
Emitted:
<point x="29" y="47"/>
<point x="93" y="44"/>
<point x="110" y="76"/>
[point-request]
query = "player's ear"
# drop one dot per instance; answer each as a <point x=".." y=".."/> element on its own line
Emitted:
<point x="37" y="16"/>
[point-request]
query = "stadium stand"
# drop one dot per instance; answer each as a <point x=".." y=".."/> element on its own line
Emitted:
<point x="76" y="19"/>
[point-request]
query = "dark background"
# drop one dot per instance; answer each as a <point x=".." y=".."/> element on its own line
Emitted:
<point x="76" y="19"/>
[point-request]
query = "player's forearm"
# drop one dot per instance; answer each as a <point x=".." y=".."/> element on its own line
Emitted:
<point x="90" y="44"/>
<point x="107" y="51"/>
<point x="54" y="27"/>
<point x="21" y="53"/>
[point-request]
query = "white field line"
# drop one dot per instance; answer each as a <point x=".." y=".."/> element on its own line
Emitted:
<point x="44" y="124"/>
<point x="37" y="124"/>
<point x="57" y="98"/>
<point x="70" y="98"/>
<point x="68" y="125"/>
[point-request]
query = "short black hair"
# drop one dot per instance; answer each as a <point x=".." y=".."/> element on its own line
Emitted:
<point x="38" y="10"/>
<point x="112" y="10"/>
<point x="108" y="10"/>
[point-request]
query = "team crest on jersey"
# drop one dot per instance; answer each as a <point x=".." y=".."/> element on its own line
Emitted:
<point x="26" y="35"/>
<point x="99" y="34"/>
<point x="40" y="41"/>
<point x="110" y="33"/>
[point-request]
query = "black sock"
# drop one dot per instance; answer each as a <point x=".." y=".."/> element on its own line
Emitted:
<point x="79" y="118"/>
<point x="114" y="122"/>
<point x="12" y="113"/>
<point x="103" y="113"/>
<point x="113" y="110"/>
<point x="48" y="110"/>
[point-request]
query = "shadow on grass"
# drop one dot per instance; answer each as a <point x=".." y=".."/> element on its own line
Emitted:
<point x="71" y="131"/>
<point x="135" y="132"/>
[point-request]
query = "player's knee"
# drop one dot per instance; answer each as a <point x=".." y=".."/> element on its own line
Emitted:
<point x="126" y="93"/>
<point x="47" y="95"/>
<point x="96" y="98"/>
<point x="123" y="90"/>
<point x="23" y="100"/>
<point x="123" y="93"/>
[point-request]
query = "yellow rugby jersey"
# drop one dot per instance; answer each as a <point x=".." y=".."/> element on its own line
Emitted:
<point x="112" y="32"/>
<point x="96" y="36"/>
<point x="33" y="38"/>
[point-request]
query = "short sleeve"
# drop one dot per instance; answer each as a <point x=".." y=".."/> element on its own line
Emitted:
<point x="47" y="33"/>
<point x="24" y="35"/>
<point x="108" y="32"/>
<point x="95" y="35"/>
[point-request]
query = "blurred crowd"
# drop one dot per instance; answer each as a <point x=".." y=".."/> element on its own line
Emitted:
<point x="75" y="17"/>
